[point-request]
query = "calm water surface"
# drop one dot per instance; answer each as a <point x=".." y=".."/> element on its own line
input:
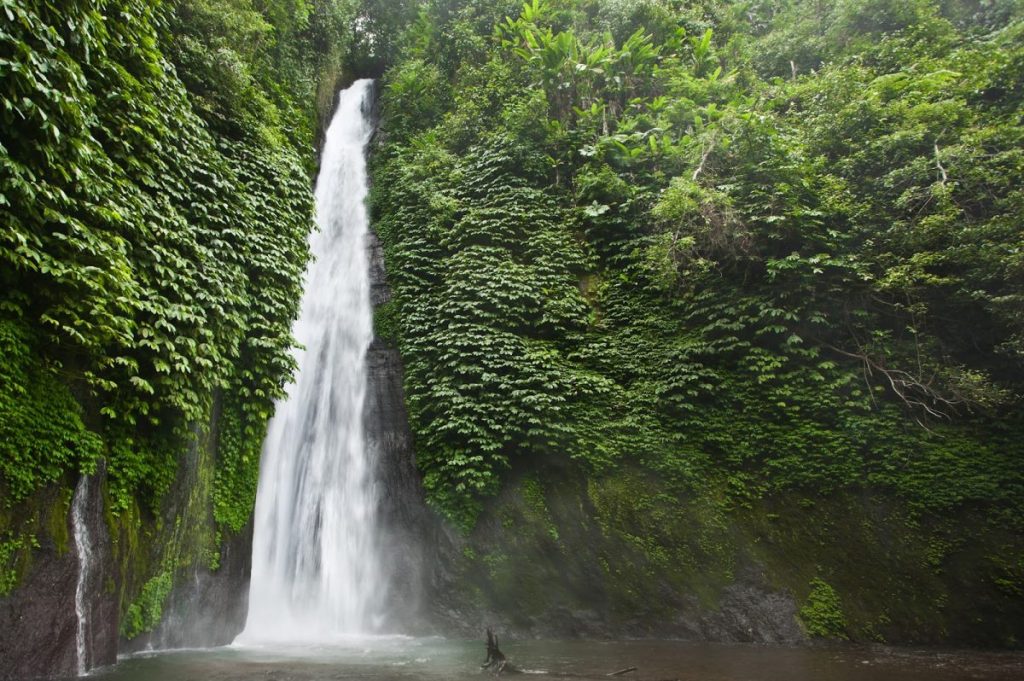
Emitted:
<point x="435" y="659"/>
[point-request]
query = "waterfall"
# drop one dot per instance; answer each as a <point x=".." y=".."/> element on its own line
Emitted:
<point x="84" y="549"/>
<point x="316" y="566"/>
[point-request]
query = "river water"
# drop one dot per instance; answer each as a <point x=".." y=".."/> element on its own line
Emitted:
<point x="436" y="659"/>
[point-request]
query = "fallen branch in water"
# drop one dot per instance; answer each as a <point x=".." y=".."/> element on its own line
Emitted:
<point x="496" y="660"/>
<point x="499" y="664"/>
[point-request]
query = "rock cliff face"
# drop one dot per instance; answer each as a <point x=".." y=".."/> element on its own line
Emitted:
<point x="131" y="554"/>
<point x="39" y="626"/>
<point x="408" y="527"/>
<point x="542" y="559"/>
<point x="560" y="554"/>
<point x="206" y="605"/>
<point x="158" y="565"/>
<point x="547" y="560"/>
<point x="37" y="621"/>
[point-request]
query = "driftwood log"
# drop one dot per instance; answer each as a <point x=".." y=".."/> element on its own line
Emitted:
<point x="496" y="660"/>
<point x="499" y="664"/>
<point x="622" y="671"/>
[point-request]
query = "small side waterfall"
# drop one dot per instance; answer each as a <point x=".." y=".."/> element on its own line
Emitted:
<point x="316" y="570"/>
<point x="86" y="558"/>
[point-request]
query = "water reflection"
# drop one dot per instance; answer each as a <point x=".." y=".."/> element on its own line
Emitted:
<point x="434" y="659"/>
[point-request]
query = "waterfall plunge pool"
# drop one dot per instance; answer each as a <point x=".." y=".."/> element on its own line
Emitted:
<point x="438" y="659"/>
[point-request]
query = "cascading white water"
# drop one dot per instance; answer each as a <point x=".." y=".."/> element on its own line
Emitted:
<point x="315" y="564"/>
<point x="84" y="549"/>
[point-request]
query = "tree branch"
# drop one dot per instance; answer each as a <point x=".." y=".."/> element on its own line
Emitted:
<point x="938" y="165"/>
<point x="703" y="160"/>
<point x="916" y="391"/>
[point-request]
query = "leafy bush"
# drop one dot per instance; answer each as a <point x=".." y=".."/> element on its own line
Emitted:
<point x="144" y="613"/>
<point x="822" y="613"/>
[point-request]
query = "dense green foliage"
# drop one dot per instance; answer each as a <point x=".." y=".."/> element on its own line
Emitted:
<point x="622" y="232"/>
<point x="752" y="268"/>
<point x="823" y="613"/>
<point x="155" y="206"/>
<point x="41" y="432"/>
<point x="155" y="173"/>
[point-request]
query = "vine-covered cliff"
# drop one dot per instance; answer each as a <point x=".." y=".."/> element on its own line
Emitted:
<point x="710" y="312"/>
<point x="155" y="197"/>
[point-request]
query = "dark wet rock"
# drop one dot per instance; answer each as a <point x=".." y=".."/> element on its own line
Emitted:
<point x="205" y="607"/>
<point x="547" y="568"/>
<point x="404" y="518"/>
<point x="750" y="611"/>
<point x="101" y="600"/>
<point x="408" y="527"/>
<point x="380" y="293"/>
<point x="38" y="622"/>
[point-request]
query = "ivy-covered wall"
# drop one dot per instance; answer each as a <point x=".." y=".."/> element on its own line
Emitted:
<point x="686" y="292"/>
<point x="156" y="165"/>
<point x="763" y="255"/>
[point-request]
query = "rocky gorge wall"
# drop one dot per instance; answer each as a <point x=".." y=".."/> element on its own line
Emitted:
<point x="563" y="549"/>
<point x="546" y="561"/>
<point x="562" y="553"/>
<point x="168" y="578"/>
<point x="553" y="555"/>
<point x="163" y="578"/>
<point x="38" y="620"/>
<point x="665" y="360"/>
<point x="542" y="561"/>
<point x="556" y="553"/>
<point x="408" y="528"/>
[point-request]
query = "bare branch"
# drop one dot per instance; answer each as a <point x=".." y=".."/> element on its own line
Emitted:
<point x="917" y="392"/>
<point x="938" y="165"/>
<point x="703" y="160"/>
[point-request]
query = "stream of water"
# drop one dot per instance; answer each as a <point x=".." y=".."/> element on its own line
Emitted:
<point x="84" y="549"/>
<point x="316" y="567"/>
